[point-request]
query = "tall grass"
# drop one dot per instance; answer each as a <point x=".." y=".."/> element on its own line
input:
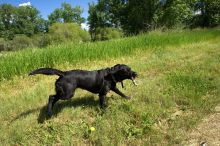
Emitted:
<point x="22" y="62"/>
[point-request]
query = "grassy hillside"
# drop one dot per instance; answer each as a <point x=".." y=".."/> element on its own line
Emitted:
<point x="179" y="83"/>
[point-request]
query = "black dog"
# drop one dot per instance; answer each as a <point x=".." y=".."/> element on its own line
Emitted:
<point x="98" y="81"/>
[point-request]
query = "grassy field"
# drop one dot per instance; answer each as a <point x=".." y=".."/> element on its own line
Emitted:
<point x="179" y="83"/>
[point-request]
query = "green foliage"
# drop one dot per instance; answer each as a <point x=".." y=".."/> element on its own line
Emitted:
<point x="139" y="16"/>
<point x="107" y="34"/>
<point x="209" y="15"/>
<point x="23" y="27"/>
<point x="66" y="14"/>
<point x="27" y="19"/>
<point x="104" y="14"/>
<point x="19" y="42"/>
<point x="7" y="22"/>
<point x="176" y="13"/>
<point x="98" y="18"/>
<point x="58" y="33"/>
<point x="2" y="44"/>
<point x="135" y="17"/>
<point x="64" y="32"/>
<point x="92" y="20"/>
<point x="55" y="16"/>
<point x="43" y="40"/>
<point x="20" y="20"/>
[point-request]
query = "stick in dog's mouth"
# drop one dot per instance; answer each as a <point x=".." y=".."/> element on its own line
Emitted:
<point x="133" y="81"/>
<point x="122" y="85"/>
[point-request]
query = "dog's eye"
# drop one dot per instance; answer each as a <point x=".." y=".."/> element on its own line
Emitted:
<point x="128" y="69"/>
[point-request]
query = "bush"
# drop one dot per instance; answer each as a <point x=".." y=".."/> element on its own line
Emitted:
<point x="41" y="40"/>
<point x="21" y="42"/>
<point x="65" y="32"/>
<point x="2" y="44"/>
<point x="107" y="33"/>
<point x="58" y="33"/>
<point x="5" y="45"/>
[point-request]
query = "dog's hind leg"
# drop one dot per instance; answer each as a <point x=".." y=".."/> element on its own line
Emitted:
<point x="65" y="90"/>
<point x="102" y="95"/>
<point x="52" y="100"/>
<point x="102" y="100"/>
<point x="64" y="94"/>
<point x="68" y="92"/>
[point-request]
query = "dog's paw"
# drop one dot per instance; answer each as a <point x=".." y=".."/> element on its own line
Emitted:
<point x="49" y="114"/>
<point x="104" y="106"/>
<point x="128" y="97"/>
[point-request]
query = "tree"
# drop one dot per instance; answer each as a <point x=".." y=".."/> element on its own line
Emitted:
<point x="130" y="15"/>
<point x="67" y="14"/>
<point x="105" y="15"/>
<point x="117" y="9"/>
<point x="93" y="20"/>
<point x="55" y="16"/>
<point x="22" y="20"/>
<point x="7" y="21"/>
<point x="98" y="17"/>
<point x="28" y="21"/>
<point x="139" y="15"/>
<point x="175" y="13"/>
<point x="208" y="13"/>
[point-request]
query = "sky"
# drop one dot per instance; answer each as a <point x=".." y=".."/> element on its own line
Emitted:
<point x="47" y="6"/>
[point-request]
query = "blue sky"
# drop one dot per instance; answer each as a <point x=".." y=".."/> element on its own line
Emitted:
<point x="47" y="6"/>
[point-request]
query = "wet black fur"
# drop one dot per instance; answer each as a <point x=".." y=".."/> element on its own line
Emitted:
<point x="97" y="81"/>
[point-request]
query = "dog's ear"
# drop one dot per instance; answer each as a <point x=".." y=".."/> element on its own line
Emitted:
<point x="110" y="76"/>
<point x="113" y="70"/>
<point x="110" y="73"/>
<point x="116" y="68"/>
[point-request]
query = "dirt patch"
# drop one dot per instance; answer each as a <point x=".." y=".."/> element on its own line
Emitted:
<point x="207" y="133"/>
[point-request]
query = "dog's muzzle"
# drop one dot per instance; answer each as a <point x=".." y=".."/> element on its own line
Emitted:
<point x="133" y="81"/>
<point x="134" y="75"/>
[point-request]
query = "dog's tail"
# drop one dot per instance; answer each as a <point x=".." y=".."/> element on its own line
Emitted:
<point x="47" y="71"/>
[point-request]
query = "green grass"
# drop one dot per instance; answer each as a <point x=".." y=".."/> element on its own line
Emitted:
<point x="178" y="72"/>
<point x="23" y="62"/>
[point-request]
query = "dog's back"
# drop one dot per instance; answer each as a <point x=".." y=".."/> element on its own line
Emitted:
<point x="88" y="80"/>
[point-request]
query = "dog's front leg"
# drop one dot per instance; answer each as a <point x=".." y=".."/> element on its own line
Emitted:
<point x="116" y="90"/>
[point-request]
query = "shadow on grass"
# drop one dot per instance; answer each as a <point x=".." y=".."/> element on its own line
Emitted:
<point x="58" y="107"/>
<point x="26" y="113"/>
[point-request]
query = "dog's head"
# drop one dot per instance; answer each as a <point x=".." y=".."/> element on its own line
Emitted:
<point x="122" y="72"/>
